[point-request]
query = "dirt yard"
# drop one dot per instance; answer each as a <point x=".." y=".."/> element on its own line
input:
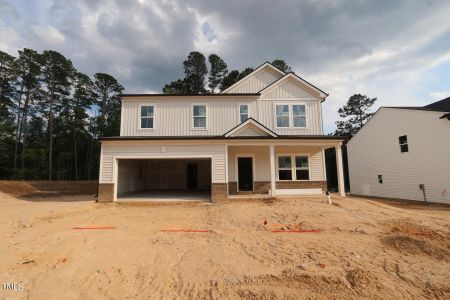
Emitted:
<point x="249" y="250"/>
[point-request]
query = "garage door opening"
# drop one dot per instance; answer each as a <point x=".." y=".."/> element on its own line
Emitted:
<point x="164" y="179"/>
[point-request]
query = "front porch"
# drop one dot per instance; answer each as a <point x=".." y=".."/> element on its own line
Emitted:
<point x="289" y="168"/>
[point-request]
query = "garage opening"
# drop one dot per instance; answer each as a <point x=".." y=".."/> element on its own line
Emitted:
<point x="164" y="179"/>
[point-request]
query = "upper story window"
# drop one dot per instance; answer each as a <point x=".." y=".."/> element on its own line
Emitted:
<point x="282" y="115"/>
<point x="287" y="170"/>
<point x="299" y="115"/>
<point x="290" y="116"/>
<point x="147" y="116"/>
<point x="403" y="141"/>
<point x="243" y="112"/>
<point x="199" y="116"/>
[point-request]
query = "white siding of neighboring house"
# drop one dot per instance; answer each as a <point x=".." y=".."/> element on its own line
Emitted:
<point x="375" y="151"/>
<point x="262" y="160"/>
<point x="161" y="149"/>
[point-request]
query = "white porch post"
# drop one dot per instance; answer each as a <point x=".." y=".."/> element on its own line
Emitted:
<point x="340" y="171"/>
<point x="272" y="171"/>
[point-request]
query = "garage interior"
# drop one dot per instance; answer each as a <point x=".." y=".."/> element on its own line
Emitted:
<point x="164" y="179"/>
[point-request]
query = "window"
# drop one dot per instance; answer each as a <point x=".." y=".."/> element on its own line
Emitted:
<point x="243" y="112"/>
<point x="403" y="141"/>
<point x="380" y="178"/>
<point x="301" y="168"/>
<point x="147" y="116"/>
<point x="284" y="168"/>
<point x="299" y="115"/>
<point x="287" y="170"/>
<point x="199" y="115"/>
<point x="282" y="115"/>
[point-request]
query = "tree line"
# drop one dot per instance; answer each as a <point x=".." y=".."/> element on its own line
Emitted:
<point x="51" y="115"/>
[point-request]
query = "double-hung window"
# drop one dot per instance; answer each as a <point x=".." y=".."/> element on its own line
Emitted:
<point x="243" y="112"/>
<point x="199" y="116"/>
<point x="282" y="115"/>
<point x="403" y="141"/>
<point x="284" y="168"/>
<point x="293" y="167"/>
<point x="299" y="115"/>
<point x="301" y="168"/>
<point x="147" y="117"/>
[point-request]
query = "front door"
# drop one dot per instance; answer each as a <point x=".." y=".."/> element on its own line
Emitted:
<point x="192" y="176"/>
<point x="245" y="174"/>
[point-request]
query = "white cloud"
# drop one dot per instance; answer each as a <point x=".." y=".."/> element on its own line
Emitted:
<point x="439" y="95"/>
<point x="48" y="34"/>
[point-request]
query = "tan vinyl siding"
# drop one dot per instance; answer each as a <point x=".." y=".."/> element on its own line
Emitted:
<point x="256" y="82"/>
<point x="375" y="151"/>
<point x="262" y="160"/>
<point x="161" y="149"/>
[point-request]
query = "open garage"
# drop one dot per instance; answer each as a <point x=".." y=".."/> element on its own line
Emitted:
<point x="164" y="179"/>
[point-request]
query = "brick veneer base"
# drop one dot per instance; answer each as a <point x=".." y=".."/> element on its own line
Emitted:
<point x="260" y="187"/>
<point x="302" y="185"/>
<point x="105" y="192"/>
<point x="218" y="191"/>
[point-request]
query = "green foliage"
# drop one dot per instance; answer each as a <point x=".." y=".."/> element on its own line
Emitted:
<point x="355" y="114"/>
<point x="218" y="70"/>
<point x="229" y="80"/>
<point x="282" y="65"/>
<point x="46" y="116"/>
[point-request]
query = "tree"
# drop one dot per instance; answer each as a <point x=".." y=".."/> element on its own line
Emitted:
<point x="218" y="70"/>
<point x="195" y="70"/>
<point x="179" y="86"/>
<point x="229" y="80"/>
<point x="56" y="74"/>
<point x="108" y="91"/>
<point x="355" y="113"/>
<point x="282" y="65"/>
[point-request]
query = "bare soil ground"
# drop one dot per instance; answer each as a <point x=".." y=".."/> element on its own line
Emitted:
<point x="365" y="249"/>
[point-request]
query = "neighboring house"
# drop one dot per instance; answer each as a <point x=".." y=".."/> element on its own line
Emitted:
<point x="404" y="153"/>
<point x="262" y="136"/>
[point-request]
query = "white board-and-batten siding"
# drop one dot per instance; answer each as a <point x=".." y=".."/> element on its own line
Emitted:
<point x="163" y="150"/>
<point x="375" y="150"/>
<point x="174" y="117"/>
<point x="257" y="82"/>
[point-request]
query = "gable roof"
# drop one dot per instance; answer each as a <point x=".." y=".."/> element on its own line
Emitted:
<point x="246" y="123"/>
<point x="262" y="66"/>
<point x="292" y="75"/>
<point x="441" y="105"/>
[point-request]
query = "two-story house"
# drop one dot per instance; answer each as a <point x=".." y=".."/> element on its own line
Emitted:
<point x="403" y="153"/>
<point x="262" y="136"/>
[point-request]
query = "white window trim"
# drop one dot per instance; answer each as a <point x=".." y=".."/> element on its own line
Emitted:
<point x="154" y="116"/>
<point x="291" y="115"/>
<point x="293" y="166"/>
<point x="192" y="116"/>
<point x="236" y="168"/>
<point x="239" y="112"/>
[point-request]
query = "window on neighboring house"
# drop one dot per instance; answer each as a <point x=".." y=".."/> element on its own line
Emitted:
<point x="299" y="115"/>
<point x="147" y="116"/>
<point x="284" y="168"/>
<point x="380" y="178"/>
<point x="199" y="115"/>
<point x="243" y="112"/>
<point x="301" y="168"/>
<point x="282" y="115"/>
<point x="403" y="141"/>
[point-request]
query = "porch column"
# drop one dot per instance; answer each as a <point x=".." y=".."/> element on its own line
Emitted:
<point x="340" y="171"/>
<point x="272" y="171"/>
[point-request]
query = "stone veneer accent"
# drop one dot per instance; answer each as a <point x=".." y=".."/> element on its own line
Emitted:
<point x="218" y="192"/>
<point x="105" y="192"/>
<point x="302" y="185"/>
<point x="259" y="187"/>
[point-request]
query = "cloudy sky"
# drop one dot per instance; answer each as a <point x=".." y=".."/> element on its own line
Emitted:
<point x="398" y="51"/>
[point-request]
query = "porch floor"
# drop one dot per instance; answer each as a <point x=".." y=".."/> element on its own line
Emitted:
<point x="164" y="196"/>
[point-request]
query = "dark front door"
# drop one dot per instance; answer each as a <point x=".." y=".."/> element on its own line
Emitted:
<point x="192" y="176"/>
<point x="245" y="174"/>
